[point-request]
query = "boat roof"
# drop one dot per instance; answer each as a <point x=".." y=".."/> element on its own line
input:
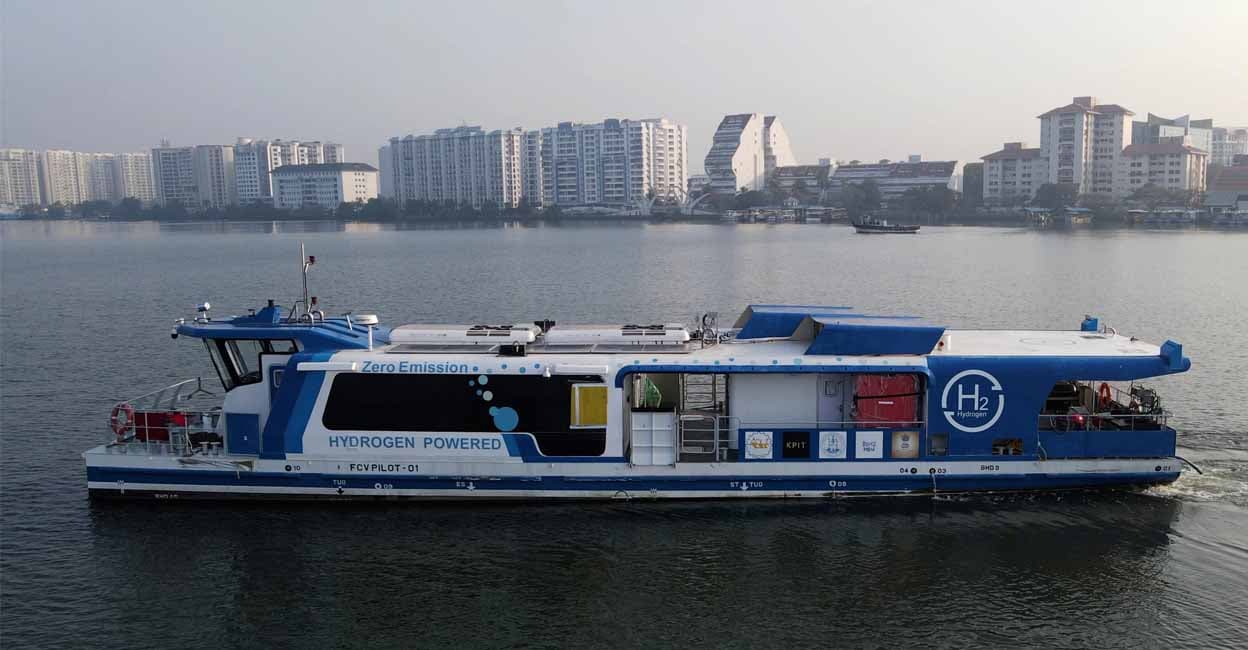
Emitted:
<point x="767" y="333"/>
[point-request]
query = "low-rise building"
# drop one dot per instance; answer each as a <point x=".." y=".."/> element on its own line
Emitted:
<point x="1012" y="174"/>
<point x="1173" y="164"/>
<point x="325" y="185"/>
<point x="810" y="178"/>
<point x="894" y="178"/>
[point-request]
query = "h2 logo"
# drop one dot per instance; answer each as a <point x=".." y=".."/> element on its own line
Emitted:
<point x="977" y="402"/>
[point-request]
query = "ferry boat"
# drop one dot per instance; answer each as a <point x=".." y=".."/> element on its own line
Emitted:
<point x="880" y="226"/>
<point x="790" y="401"/>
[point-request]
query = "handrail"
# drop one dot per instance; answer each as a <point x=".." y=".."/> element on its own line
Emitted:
<point x="175" y="394"/>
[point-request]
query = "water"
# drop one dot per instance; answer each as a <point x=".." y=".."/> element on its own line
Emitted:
<point x="85" y="312"/>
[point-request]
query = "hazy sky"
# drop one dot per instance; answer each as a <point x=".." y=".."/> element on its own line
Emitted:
<point x="866" y="80"/>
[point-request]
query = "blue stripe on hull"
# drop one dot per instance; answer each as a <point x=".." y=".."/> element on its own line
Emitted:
<point x="227" y="482"/>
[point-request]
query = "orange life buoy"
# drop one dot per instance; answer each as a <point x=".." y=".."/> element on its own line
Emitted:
<point x="122" y="420"/>
<point x="1106" y="394"/>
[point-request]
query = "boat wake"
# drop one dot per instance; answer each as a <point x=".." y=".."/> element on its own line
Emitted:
<point x="1224" y="478"/>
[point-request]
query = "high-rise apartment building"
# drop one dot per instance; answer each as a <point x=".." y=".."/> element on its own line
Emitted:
<point x="255" y="160"/>
<point x="1082" y="143"/>
<point x="385" y="173"/>
<point x="98" y="176"/>
<point x="334" y="153"/>
<point x="464" y="165"/>
<point x="173" y="173"/>
<point x="737" y="160"/>
<point x="611" y="162"/>
<point x="198" y="177"/>
<point x="61" y="179"/>
<point x="19" y="177"/>
<point x="776" y="149"/>
<point x="1013" y="174"/>
<point x="132" y="173"/>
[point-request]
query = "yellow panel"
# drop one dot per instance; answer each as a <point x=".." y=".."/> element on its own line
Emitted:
<point x="589" y="405"/>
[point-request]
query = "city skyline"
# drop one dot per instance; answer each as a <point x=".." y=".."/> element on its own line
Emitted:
<point x="931" y="85"/>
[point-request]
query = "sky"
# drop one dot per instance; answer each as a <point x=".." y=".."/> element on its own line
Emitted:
<point x="849" y="80"/>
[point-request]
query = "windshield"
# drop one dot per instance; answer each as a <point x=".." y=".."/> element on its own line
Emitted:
<point x="237" y="361"/>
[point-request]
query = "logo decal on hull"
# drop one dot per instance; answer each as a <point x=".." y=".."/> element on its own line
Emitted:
<point x="968" y="401"/>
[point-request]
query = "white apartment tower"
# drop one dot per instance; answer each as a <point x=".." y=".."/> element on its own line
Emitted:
<point x="1082" y="144"/>
<point x="60" y="177"/>
<point x="464" y="165"/>
<point x="777" y="152"/>
<point x="385" y="172"/>
<point x="98" y="176"/>
<point x="197" y="177"/>
<point x="612" y="162"/>
<point x="19" y="177"/>
<point x="132" y="173"/>
<point x="737" y="159"/>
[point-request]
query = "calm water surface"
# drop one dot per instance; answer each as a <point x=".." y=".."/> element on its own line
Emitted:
<point x="85" y="312"/>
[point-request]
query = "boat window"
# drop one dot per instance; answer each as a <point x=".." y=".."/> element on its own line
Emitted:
<point x="237" y="361"/>
<point x="589" y="406"/>
<point x="1007" y="447"/>
<point x="541" y="406"/>
<point x="938" y="444"/>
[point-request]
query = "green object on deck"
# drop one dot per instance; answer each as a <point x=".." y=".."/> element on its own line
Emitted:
<point x="652" y="396"/>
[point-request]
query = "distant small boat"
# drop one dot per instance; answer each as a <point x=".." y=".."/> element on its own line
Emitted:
<point x="879" y="226"/>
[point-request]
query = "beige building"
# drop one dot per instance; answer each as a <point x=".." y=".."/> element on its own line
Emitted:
<point x="1082" y="142"/>
<point x="132" y="173"/>
<point x="1013" y="174"/>
<point x="1172" y="164"/>
<point x="61" y="179"/>
<point x="610" y="162"/>
<point x="325" y="185"/>
<point x="197" y="177"/>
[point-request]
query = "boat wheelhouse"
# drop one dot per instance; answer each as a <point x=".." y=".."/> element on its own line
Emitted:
<point x="790" y="401"/>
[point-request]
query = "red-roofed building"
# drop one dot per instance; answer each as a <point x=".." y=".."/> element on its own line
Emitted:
<point x="1173" y="163"/>
<point x="1013" y="173"/>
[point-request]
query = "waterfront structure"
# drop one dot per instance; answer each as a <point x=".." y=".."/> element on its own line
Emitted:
<point x="737" y="158"/>
<point x="214" y="176"/>
<point x="1228" y="186"/>
<point x="1226" y="143"/>
<point x="197" y="177"/>
<point x="1082" y="142"/>
<point x="385" y="173"/>
<point x="98" y="173"/>
<point x="256" y="159"/>
<point x="894" y="178"/>
<point x="1012" y="174"/>
<point x="132" y="173"/>
<point x="777" y="152"/>
<point x="173" y="174"/>
<point x="973" y="184"/>
<point x="19" y="177"/>
<point x="61" y="178"/>
<point x="1155" y="128"/>
<point x="809" y="178"/>
<point x="464" y="165"/>
<point x="254" y="162"/>
<point x="1173" y="164"/>
<point x="610" y="162"/>
<point x="324" y="185"/>
<point x="698" y="183"/>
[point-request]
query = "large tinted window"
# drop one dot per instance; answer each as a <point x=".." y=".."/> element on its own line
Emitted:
<point x="542" y="406"/>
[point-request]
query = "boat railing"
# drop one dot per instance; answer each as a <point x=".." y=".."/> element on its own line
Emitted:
<point x="180" y="419"/>
<point x="1082" y="419"/>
